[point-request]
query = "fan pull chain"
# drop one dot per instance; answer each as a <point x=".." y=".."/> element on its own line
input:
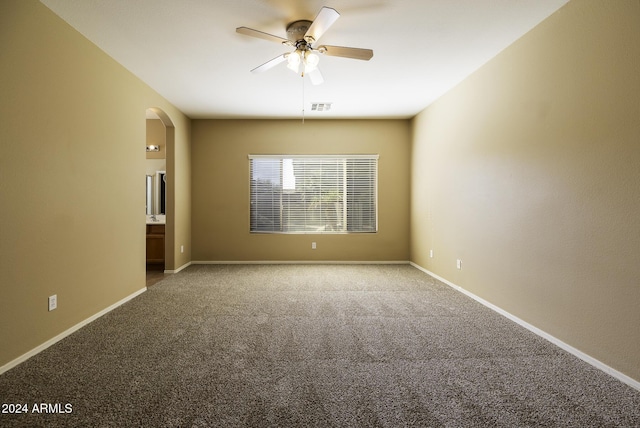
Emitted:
<point x="302" y="75"/>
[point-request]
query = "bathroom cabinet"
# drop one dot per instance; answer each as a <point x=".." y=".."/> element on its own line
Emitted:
<point x="155" y="243"/>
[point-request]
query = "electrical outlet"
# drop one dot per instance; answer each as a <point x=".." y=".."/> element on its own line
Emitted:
<point x="182" y="248"/>
<point x="431" y="253"/>
<point x="53" y="302"/>
<point x="313" y="245"/>
<point x="459" y="264"/>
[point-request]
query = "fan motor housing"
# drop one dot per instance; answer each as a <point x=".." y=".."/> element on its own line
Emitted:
<point x="297" y="29"/>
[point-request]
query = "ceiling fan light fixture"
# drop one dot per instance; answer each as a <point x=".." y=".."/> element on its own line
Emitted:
<point x="293" y="61"/>
<point x="301" y="35"/>
<point x="311" y="61"/>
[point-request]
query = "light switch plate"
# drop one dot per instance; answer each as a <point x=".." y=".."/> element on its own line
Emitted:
<point x="53" y="302"/>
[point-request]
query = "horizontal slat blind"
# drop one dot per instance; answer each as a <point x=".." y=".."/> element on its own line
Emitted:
<point x="313" y="194"/>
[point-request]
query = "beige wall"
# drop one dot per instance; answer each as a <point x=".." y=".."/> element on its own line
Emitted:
<point x="178" y="229"/>
<point x="221" y="188"/>
<point x="72" y="166"/>
<point x="529" y="171"/>
<point x="157" y="136"/>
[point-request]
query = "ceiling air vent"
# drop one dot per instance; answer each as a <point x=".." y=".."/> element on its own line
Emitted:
<point x="320" y="106"/>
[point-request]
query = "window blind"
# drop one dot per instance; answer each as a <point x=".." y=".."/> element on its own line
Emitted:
<point x="313" y="194"/>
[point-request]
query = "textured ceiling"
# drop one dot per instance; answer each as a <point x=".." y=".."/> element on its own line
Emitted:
<point x="189" y="52"/>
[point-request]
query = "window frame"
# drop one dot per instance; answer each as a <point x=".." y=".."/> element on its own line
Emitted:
<point x="345" y="157"/>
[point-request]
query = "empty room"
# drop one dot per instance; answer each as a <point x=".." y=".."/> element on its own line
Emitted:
<point x="357" y="213"/>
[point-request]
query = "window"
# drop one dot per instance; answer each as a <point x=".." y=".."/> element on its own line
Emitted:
<point x="313" y="194"/>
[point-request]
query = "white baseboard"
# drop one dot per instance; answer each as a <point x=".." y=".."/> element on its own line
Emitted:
<point x="184" y="266"/>
<point x="52" y="341"/>
<point x="300" y="262"/>
<point x="594" y="362"/>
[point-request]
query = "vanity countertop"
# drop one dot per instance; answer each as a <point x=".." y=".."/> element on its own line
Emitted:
<point x="160" y="219"/>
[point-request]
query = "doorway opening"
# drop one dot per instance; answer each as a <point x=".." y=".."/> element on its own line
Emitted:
<point x="159" y="229"/>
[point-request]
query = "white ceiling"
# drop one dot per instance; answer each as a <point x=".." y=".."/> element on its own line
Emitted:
<point x="189" y="52"/>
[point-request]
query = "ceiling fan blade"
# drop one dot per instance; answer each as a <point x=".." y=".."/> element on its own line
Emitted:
<point x="325" y="19"/>
<point x="270" y="64"/>
<point x="355" y="53"/>
<point x="315" y="76"/>
<point x="261" y="35"/>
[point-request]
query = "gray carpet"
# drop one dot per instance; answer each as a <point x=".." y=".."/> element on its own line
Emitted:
<point x="312" y="346"/>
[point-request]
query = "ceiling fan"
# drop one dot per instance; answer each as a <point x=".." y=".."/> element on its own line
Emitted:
<point x="302" y="35"/>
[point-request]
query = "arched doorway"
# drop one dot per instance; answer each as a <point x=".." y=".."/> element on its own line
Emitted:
<point x="159" y="193"/>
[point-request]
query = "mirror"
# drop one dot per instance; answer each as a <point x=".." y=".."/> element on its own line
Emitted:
<point x="156" y="194"/>
<point x="161" y="192"/>
<point x="149" y="193"/>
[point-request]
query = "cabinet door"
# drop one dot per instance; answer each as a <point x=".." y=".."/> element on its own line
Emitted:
<point x="155" y="248"/>
<point x="155" y="243"/>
